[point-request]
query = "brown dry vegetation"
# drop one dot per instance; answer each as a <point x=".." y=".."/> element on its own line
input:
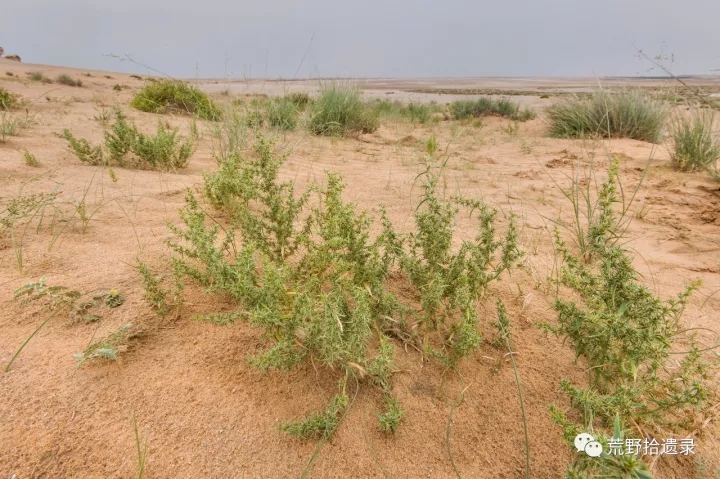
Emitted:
<point x="204" y="411"/>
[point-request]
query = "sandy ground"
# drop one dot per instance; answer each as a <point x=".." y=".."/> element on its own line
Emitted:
<point x="202" y="409"/>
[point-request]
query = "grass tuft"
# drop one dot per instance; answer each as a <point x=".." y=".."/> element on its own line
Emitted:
<point x="69" y="81"/>
<point x="8" y="100"/>
<point x="340" y="110"/>
<point x="174" y="96"/>
<point x="487" y="106"/>
<point x="283" y="114"/>
<point x="608" y="115"/>
<point x="694" y="145"/>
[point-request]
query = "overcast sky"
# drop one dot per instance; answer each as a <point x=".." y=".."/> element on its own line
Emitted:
<point x="372" y="38"/>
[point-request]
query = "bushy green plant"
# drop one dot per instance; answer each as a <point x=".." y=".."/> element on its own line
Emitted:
<point x="312" y="277"/>
<point x="68" y="80"/>
<point x="37" y="76"/>
<point x="83" y="149"/>
<point x="390" y="419"/>
<point x="340" y="110"/>
<point x="608" y="115"/>
<point x="488" y="106"/>
<point x="627" y="335"/>
<point x="128" y="147"/>
<point x="694" y="143"/>
<point x="8" y="100"/>
<point x="283" y="114"/>
<point x="174" y="96"/>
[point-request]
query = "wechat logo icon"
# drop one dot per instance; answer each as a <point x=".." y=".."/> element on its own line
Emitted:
<point x="586" y="443"/>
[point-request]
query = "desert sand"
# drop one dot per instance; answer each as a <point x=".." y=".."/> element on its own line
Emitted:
<point x="202" y="409"/>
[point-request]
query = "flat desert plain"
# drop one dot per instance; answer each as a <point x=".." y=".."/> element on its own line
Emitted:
<point x="199" y="407"/>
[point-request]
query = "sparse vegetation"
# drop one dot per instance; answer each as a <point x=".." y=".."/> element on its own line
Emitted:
<point x="37" y="76"/>
<point x="327" y="279"/>
<point x="108" y="348"/>
<point x="299" y="99"/>
<point x="627" y="335"/>
<point x="8" y="100"/>
<point x="340" y="110"/>
<point x="172" y="96"/>
<point x="127" y="147"/>
<point x="694" y="143"/>
<point x="487" y="106"/>
<point x="283" y="114"/>
<point x="608" y="115"/>
<point x="30" y="159"/>
<point x="68" y="80"/>
<point x="414" y="112"/>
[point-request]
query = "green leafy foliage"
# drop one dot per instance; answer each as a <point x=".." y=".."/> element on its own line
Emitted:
<point x="8" y="100"/>
<point x="108" y="348"/>
<point x="627" y="336"/>
<point x="172" y="96"/>
<point x="487" y="106"/>
<point x="608" y="115"/>
<point x="390" y="419"/>
<point x="321" y="425"/>
<point x="128" y="147"/>
<point x="310" y="274"/>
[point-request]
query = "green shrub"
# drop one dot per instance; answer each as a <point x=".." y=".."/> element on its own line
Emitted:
<point x="283" y="114"/>
<point x="694" y="144"/>
<point x="314" y="280"/>
<point x="175" y="96"/>
<point x="8" y="100"/>
<point x="608" y="115"/>
<point x="83" y="149"/>
<point x="487" y="106"/>
<point x="643" y="366"/>
<point x="340" y="110"/>
<point x="67" y="80"/>
<point x="164" y="151"/>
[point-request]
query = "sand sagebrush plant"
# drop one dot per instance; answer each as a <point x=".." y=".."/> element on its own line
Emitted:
<point x="340" y="110"/>
<point x="304" y="267"/>
<point x="694" y="142"/>
<point x="283" y="114"/>
<point x="488" y="106"/>
<point x="127" y="147"/>
<point x="608" y="114"/>
<point x="174" y="96"/>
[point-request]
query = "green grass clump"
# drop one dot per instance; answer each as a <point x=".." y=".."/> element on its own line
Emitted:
<point x="37" y="76"/>
<point x="125" y="146"/>
<point x="69" y="81"/>
<point x="8" y="100"/>
<point x="414" y="112"/>
<point x="608" y="115"/>
<point x="694" y="144"/>
<point x="487" y="106"/>
<point x="175" y="96"/>
<point x="390" y="419"/>
<point x="340" y="110"/>
<point x="283" y="114"/>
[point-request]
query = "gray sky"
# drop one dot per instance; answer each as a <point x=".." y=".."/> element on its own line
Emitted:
<point x="390" y="38"/>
